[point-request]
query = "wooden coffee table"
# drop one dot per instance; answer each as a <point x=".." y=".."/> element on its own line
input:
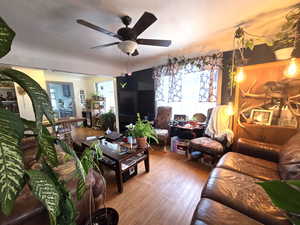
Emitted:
<point x="117" y="154"/>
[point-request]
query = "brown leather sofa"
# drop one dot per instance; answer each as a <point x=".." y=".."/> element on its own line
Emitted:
<point x="231" y="195"/>
<point x="29" y="211"/>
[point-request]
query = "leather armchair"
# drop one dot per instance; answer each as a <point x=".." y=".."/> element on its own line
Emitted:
<point x="209" y="144"/>
<point x="161" y="124"/>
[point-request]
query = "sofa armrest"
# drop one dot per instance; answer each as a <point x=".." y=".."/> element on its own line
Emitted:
<point x="258" y="149"/>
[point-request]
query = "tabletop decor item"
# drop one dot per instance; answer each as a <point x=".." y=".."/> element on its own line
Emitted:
<point x="130" y="138"/>
<point x="260" y="116"/>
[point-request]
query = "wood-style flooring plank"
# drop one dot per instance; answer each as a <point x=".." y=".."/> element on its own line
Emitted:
<point x="167" y="195"/>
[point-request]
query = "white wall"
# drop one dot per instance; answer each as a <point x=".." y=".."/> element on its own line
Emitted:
<point x="24" y="102"/>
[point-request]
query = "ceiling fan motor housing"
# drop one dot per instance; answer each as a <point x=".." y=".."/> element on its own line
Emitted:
<point x="127" y="34"/>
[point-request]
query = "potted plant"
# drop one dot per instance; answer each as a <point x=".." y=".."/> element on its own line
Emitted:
<point x="143" y="130"/>
<point x="43" y="183"/>
<point x="285" y="39"/>
<point x="107" y="120"/>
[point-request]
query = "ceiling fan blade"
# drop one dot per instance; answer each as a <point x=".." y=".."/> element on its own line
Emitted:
<point x="135" y="53"/>
<point x="143" y="23"/>
<point x="105" y="45"/>
<point x="154" y="42"/>
<point x="102" y="30"/>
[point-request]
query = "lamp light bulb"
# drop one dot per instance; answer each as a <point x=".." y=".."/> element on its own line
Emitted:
<point x="240" y="76"/>
<point x="292" y="68"/>
<point x="230" y="110"/>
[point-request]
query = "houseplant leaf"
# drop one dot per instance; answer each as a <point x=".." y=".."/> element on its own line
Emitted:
<point x="11" y="164"/>
<point x="45" y="190"/>
<point x="39" y="98"/>
<point x="46" y="146"/>
<point x="283" y="195"/>
<point x="80" y="170"/>
<point x="67" y="213"/>
<point x="80" y="189"/>
<point x="6" y="37"/>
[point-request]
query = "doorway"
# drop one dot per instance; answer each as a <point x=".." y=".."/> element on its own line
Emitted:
<point x="62" y="98"/>
<point x="106" y="89"/>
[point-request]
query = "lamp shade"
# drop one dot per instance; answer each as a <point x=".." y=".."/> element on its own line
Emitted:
<point x="128" y="47"/>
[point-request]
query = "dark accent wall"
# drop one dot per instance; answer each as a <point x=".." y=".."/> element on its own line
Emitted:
<point x="260" y="54"/>
<point x="137" y="96"/>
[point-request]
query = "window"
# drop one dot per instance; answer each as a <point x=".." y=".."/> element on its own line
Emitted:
<point x="192" y="94"/>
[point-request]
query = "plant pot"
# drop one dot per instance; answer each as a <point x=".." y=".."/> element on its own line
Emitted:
<point x="104" y="216"/>
<point x="142" y="142"/>
<point x="284" y="53"/>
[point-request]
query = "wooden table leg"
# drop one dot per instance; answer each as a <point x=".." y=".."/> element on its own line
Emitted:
<point x="119" y="177"/>
<point x="146" y="161"/>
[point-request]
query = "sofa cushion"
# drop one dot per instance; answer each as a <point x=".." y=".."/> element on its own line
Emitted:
<point x="240" y="192"/>
<point x="289" y="159"/>
<point x="258" y="149"/>
<point x="250" y="166"/>
<point x="210" y="212"/>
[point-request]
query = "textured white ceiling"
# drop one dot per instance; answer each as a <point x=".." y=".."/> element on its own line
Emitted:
<point x="49" y="37"/>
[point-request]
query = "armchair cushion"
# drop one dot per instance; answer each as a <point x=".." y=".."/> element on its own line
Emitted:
<point x="207" y="145"/>
<point x="163" y="135"/>
<point x="258" y="149"/>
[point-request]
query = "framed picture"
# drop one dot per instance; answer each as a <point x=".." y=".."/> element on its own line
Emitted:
<point x="178" y="117"/>
<point x="260" y="116"/>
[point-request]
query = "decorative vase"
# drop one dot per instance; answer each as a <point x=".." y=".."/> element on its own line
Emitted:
<point x="284" y="53"/>
<point x="142" y="142"/>
<point x="130" y="140"/>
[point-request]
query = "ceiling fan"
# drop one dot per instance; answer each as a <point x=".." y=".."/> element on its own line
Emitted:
<point x="129" y="36"/>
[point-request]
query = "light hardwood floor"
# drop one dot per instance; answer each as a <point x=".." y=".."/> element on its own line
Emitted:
<point x="168" y="195"/>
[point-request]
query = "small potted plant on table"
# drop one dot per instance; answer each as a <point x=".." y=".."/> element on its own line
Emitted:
<point x="143" y="130"/>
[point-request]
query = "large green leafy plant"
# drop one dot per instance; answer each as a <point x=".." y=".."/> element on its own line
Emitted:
<point x="45" y="183"/>
<point x="143" y="128"/>
<point x="285" y="195"/>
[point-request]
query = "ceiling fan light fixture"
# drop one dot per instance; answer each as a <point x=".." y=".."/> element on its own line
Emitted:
<point x="128" y="46"/>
